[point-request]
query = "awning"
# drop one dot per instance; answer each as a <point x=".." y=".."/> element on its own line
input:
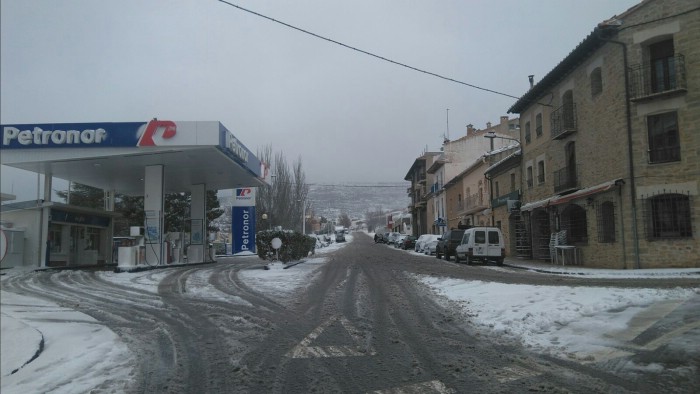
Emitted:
<point x="537" y="204"/>
<point x="559" y="199"/>
<point x="584" y="192"/>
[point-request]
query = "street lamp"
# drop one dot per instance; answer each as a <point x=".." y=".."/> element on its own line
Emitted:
<point x="303" y="217"/>
<point x="264" y="217"/>
<point x="492" y="134"/>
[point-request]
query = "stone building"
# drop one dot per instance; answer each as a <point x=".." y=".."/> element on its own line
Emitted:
<point x="418" y="192"/>
<point x="610" y="143"/>
<point x="504" y="176"/>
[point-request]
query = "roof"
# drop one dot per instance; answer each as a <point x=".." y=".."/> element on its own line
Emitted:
<point x="589" y="45"/>
<point x="582" y="52"/>
<point x="416" y="162"/>
<point x="506" y="163"/>
<point x="112" y="156"/>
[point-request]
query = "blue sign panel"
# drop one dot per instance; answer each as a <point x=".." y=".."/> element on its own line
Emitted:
<point x="235" y="149"/>
<point x="243" y="229"/>
<point x="72" y="135"/>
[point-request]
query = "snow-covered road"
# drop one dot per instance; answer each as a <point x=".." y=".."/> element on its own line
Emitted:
<point x="582" y="324"/>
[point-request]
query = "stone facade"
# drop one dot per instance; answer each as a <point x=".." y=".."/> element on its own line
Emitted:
<point x="611" y="151"/>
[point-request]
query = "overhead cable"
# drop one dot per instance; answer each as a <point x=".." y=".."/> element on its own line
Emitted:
<point x="366" y="52"/>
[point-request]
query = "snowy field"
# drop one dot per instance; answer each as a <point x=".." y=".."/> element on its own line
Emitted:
<point x="576" y="323"/>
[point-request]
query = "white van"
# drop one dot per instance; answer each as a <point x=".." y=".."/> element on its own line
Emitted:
<point x="481" y="244"/>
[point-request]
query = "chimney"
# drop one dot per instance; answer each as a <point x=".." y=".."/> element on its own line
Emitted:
<point x="470" y="129"/>
<point x="488" y="125"/>
<point x="504" y="120"/>
<point x="532" y="80"/>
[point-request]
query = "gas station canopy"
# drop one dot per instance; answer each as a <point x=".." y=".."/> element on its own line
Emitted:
<point x="113" y="156"/>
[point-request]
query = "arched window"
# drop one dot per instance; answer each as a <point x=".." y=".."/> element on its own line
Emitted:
<point x="596" y="81"/>
<point x="573" y="220"/>
<point x="571" y="174"/>
<point x="568" y="117"/>
<point x="606" y="222"/>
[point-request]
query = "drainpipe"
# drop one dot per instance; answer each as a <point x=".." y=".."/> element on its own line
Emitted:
<point x="633" y="189"/>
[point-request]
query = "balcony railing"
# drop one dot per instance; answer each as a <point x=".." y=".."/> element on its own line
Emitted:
<point x="563" y="121"/>
<point x="663" y="76"/>
<point x="475" y="200"/>
<point x="565" y="179"/>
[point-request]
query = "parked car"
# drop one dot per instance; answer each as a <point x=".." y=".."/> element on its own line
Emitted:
<point x="340" y="236"/>
<point x="448" y="243"/>
<point x="409" y="242"/>
<point x="481" y="244"/>
<point x="420" y="242"/>
<point x="382" y="238"/>
<point x="399" y="239"/>
<point x="391" y="238"/>
<point x="430" y="246"/>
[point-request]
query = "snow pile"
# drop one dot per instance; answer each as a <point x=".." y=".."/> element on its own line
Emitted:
<point x="74" y="353"/>
<point x="581" y="323"/>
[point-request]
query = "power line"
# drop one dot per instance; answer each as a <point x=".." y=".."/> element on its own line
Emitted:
<point x="366" y="52"/>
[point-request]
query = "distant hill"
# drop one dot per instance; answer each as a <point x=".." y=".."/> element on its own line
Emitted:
<point x="355" y="199"/>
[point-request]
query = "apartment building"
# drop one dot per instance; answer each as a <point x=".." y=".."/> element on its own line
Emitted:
<point x="418" y="207"/>
<point x="504" y="176"/>
<point x="610" y="144"/>
<point x="457" y="191"/>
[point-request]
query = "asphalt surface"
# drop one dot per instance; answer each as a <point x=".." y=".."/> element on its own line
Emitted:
<point x="363" y="325"/>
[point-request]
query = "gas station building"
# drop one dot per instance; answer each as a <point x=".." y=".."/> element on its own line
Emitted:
<point x="146" y="159"/>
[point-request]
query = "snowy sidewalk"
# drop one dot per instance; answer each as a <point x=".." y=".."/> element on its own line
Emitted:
<point x="56" y="348"/>
<point x="577" y="270"/>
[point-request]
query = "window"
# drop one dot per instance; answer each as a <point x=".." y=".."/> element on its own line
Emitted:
<point x="662" y="61"/>
<point x="494" y="239"/>
<point x="668" y="216"/>
<point x="573" y="220"/>
<point x="538" y="125"/>
<point x="527" y="132"/>
<point x="540" y="172"/>
<point x="55" y="232"/>
<point x="529" y="177"/>
<point x="479" y="237"/>
<point x="512" y="182"/>
<point x="664" y="144"/>
<point x="497" y="191"/>
<point x="606" y="222"/>
<point x="571" y="174"/>
<point x="596" y="82"/>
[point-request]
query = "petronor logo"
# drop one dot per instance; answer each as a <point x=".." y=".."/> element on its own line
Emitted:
<point x="246" y="192"/>
<point x="157" y="131"/>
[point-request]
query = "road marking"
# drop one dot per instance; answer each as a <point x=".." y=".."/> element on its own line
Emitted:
<point x="434" y="386"/>
<point x="645" y="319"/>
<point x="664" y="339"/>
<point x="516" y="373"/>
<point x="304" y="350"/>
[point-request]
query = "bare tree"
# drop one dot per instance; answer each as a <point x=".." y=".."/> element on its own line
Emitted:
<point x="283" y="200"/>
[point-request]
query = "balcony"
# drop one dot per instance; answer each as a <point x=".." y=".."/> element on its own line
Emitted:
<point x="664" y="77"/>
<point x="474" y="202"/>
<point x="563" y="121"/>
<point x="565" y="179"/>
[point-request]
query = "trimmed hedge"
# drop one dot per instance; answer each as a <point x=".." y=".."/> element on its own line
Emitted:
<point x="295" y="245"/>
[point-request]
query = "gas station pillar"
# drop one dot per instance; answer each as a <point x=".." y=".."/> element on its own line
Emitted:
<point x="153" y="206"/>
<point x="197" y="251"/>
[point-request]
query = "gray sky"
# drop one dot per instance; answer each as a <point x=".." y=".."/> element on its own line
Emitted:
<point x="350" y="117"/>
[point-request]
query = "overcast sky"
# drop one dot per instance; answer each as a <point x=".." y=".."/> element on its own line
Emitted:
<point x="364" y="119"/>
